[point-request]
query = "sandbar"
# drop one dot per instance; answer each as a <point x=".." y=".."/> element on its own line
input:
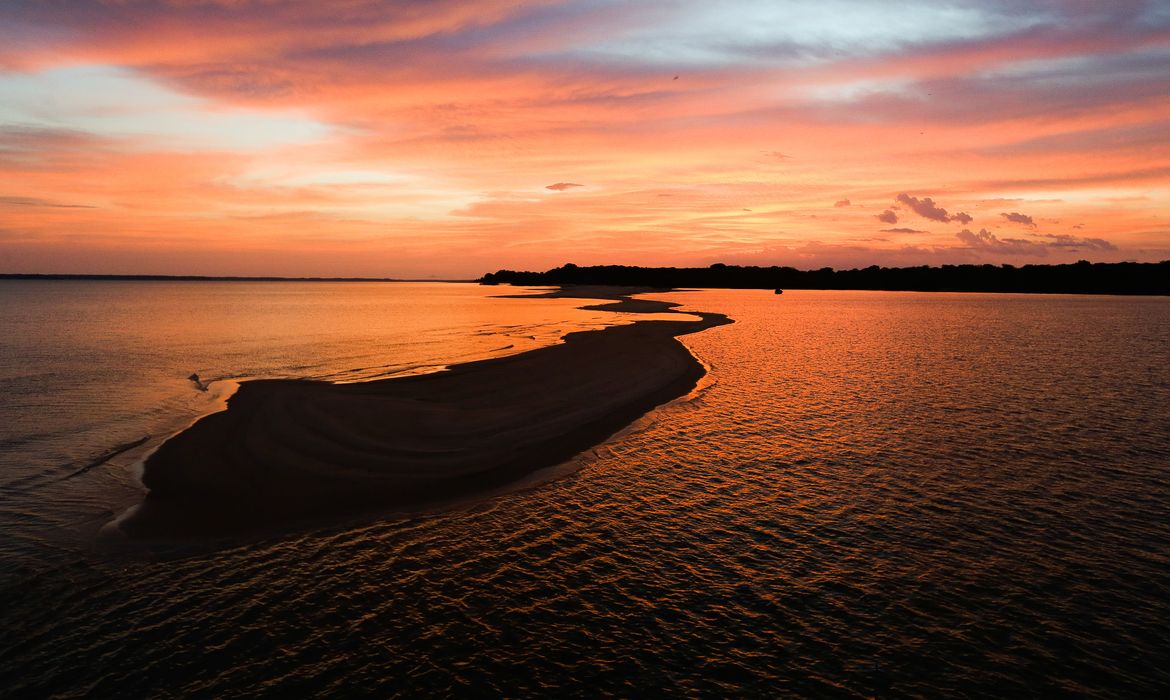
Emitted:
<point x="285" y="451"/>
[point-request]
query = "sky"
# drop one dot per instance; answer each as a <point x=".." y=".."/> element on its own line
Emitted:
<point x="447" y="139"/>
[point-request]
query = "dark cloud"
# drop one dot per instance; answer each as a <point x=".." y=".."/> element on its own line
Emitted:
<point x="1018" y="218"/>
<point x="902" y="230"/>
<point x="1063" y="240"/>
<point x="986" y="241"/>
<point x="888" y="217"/>
<point x="561" y="186"/>
<point x="841" y="203"/>
<point x="925" y="207"/>
<point x="778" y="155"/>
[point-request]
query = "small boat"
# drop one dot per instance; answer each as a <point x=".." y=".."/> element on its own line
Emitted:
<point x="779" y="291"/>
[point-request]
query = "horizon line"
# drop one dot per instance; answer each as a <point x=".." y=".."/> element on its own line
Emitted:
<point x="282" y="278"/>
<point x="205" y="278"/>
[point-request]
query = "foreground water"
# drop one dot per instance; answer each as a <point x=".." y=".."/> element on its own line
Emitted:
<point x="95" y="374"/>
<point x="921" y="494"/>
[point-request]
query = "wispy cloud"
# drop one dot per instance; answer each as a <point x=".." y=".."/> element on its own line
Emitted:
<point x="38" y="202"/>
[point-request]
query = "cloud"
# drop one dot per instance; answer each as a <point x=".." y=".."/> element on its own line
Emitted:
<point x="16" y="137"/>
<point x="1063" y="240"/>
<point x="1018" y="218"/>
<point x="561" y="186"/>
<point x="1117" y="177"/>
<point x="986" y="241"/>
<point x="38" y="202"/>
<point x="1095" y="140"/>
<point x="925" y="207"/>
<point x="841" y="203"/>
<point x="903" y="230"/>
<point x="887" y="217"/>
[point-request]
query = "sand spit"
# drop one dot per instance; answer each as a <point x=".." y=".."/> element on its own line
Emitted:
<point x="287" y="450"/>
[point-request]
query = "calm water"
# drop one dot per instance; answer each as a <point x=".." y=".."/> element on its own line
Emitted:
<point x="88" y="368"/>
<point x="923" y="495"/>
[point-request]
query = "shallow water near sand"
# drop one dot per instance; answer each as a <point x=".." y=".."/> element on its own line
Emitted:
<point x="921" y="494"/>
<point x="94" y="374"/>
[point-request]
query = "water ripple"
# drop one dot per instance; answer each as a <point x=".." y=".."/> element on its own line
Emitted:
<point x="908" y="494"/>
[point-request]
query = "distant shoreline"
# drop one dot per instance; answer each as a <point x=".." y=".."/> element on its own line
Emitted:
<point x="1124" y="278"/>
<point x="206" y="278"/>
<point x="1082" y="278"/>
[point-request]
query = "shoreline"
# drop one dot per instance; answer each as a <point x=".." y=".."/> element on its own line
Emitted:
<point x="291" y="451"/>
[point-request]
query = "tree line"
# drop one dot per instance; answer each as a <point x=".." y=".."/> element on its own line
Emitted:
<point x="1076" y="278"/>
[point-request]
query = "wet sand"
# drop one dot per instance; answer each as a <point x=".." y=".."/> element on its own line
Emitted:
<point x="292" y="450"/>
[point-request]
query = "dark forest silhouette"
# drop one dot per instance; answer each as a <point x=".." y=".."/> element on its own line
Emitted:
<point x="185" y="278"/>
<point x="1077" y="278"/>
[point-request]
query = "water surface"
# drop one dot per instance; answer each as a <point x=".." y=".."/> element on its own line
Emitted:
<point x="926" y="494"/>
<point x="89" y="368"/>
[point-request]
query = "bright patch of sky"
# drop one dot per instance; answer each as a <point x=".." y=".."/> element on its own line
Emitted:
<point x="319" y="177"/>
<point x="855" y="90"/>
<point x="1082" y="195"/>
<point x="373" y="194"/>
<point x="114" y="102"/>
<point x="425" y="204"/>
<point x="777" y="31"/>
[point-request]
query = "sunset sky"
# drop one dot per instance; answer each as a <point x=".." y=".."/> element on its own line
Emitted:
<point x="447" y="139"/>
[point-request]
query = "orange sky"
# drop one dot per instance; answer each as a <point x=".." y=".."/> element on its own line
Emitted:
<point x="447" y="139"/>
